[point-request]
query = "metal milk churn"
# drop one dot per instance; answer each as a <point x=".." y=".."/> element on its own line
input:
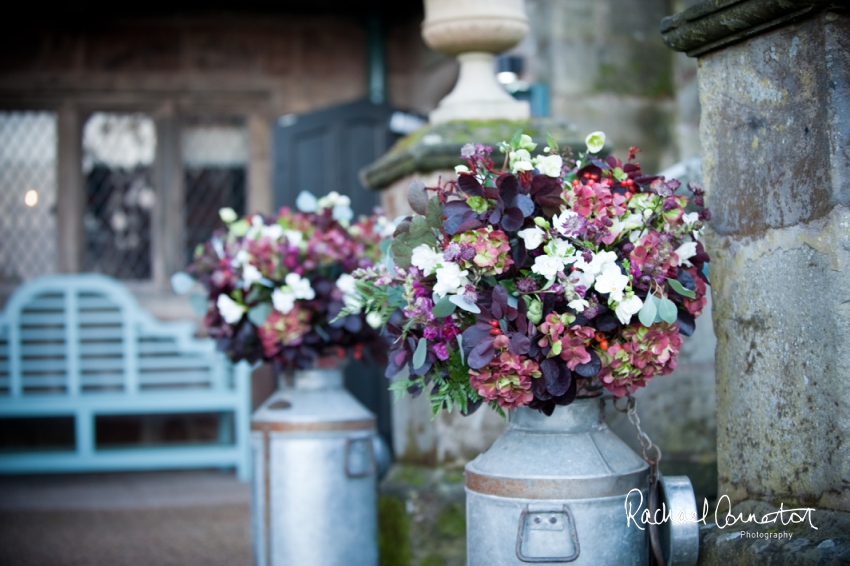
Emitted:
<point x="554" y="489"/>
<point x="314" y="492"/>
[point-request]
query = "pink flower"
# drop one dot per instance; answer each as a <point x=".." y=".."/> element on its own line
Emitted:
<point x="507" y="378"/>
<point x="492" y="250"/>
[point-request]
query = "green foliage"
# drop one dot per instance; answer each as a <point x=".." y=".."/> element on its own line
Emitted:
<point x="679" y="288"/>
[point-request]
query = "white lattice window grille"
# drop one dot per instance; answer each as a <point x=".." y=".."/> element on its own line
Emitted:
<point x="27" y="195"/>
<point x="118" y="154"/>
<point x="215" y="160"/>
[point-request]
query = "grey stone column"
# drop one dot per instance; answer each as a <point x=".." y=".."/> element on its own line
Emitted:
<point x="774" y="80"/>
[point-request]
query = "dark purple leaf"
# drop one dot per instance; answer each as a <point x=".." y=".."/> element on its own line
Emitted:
<point x="687" y="280"/>
<point x="547" y="200"/>
<point x="519" y="344"/>
<point x="567" y="397"/>
<point x="592" y="367"/>
<point x="453" y="222"/>
<point x="474" y="335"/>
<point x="496" y="309"/>
<point x="495" y="216"/>
<point x="512" y="220"/>
<point x="544" y="184"/>
<point x="538" y="387"/>
<point x="613" y="161"/>
<point x="353" y="323"/>
<point x="481" y="354"/>
<point x="470" y="185"/>
<point x="467" y="225"/>
<point x="606" y="322"/>
<point x="521" y="321"/>
<point x="456" y="207"/>
<point x="491" y="193"/>
<point x="423" y="369"/>
<point x="686" y="322"/>
<point x="500" y="297"/>
<point x="508" y="187"/>
<point x="525" y="204"/>
<point x="417" y="197"/>
<point x="472" y="406"/>
<point x="557" y="376"/>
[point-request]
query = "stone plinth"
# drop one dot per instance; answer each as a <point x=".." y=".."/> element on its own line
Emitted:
<point x="774" y="80"/>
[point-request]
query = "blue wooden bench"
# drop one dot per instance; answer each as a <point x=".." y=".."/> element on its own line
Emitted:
<point x="80" y="346"/>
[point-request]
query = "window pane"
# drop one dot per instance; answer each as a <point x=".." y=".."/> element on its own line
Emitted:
<point x="27" y="195"/>
<point x="215" y="157"/>
<point x="118" y="153"/>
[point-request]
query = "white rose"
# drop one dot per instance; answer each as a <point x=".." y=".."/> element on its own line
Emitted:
<point x="627" y="308"/>
<point x="547" y="266"/>
<point x="426" y="258"/>
<point x="596" y="264"/>
<point x="299" y="287"/>
<point x="533" y="237"/>
<point x="283" y="301"/>
<point x="685" y="252"/>
<point x="450" y="280"/>
<point x="230" y="310"/>
<point x="550" y="165"/>
<point x="611" y="282"/>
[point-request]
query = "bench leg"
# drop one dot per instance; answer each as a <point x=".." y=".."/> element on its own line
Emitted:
<point x="84" y="425"/>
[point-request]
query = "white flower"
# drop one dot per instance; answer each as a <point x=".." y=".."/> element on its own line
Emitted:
<point x="595" y="142"/>
<point x="340" y="206"/>
<point x="533" y="237"/>
<point x="547" y="266"/>
<point x="630" y="222"/>
<point x="227" y="215"/>
<point x="612" y="282"/>
<point x="522" y="166"/>
<point x="273" y="232"/>
<point x="342" y="213"/>
<point x="299" y="287"/>
<point x="426" y="258"/>
<point x="283" y="301"/>
<point x="685" y="252"/>
<point x="230" y="310"/>
<point x="384" y="227"/>
<point x="627" y="308"/>
<point x="450" y="280"/>
<point x="347" y="283"/>
<point x="597" y="264"/>
<point x="520" y="160"/>
<point x="294" y="237"/>
<point x="690" y="218"/>
<point x="306" y="202"/>
<point x="549" y="165"/>
<point x="581" y="279"/>
<point x="562" y="221"/>
<point x="526" y="143"/>
<point x="240" y="259"/>
<point x="461" y="169"/>
<point x="561" y="249"/>
<point x="374" y="320"/>
<point x="250" y="275"/>
<point x="578" y="305"/>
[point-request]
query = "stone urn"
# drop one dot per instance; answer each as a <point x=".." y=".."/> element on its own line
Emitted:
<point x="475" y="31"/>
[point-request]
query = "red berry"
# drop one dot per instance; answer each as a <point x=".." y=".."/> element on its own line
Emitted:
<point x="495" y="332"/>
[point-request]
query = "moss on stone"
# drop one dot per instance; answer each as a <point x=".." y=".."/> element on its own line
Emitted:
<point x="393" y="532"/>
<point x="451" y="522"/>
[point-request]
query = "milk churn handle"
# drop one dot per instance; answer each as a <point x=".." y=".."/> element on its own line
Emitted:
<point x="647" y="447"/>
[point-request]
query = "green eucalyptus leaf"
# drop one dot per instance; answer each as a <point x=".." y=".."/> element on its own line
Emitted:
<point x="667" y="310"/>
<point x="259" y="314"/>
<point x="420" y="353"/>
<point x="679" y="288"/>
<point x="443" y="308"/>
<point x="462" y="303"/>
<point x="460" y="347"/>
<point x="648" y="311"/>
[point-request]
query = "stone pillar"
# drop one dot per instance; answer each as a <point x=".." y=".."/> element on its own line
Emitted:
<point x="774" y="80"/>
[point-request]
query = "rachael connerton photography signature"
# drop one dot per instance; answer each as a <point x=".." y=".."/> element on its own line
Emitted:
<point x="722" y="520"/>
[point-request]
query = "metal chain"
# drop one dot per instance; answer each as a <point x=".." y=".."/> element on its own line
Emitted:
<point x="646" y="444"/>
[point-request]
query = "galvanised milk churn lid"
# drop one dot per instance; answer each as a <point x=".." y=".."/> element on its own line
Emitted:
<point x="314" y="499"/>
<point x="553" y="490"/>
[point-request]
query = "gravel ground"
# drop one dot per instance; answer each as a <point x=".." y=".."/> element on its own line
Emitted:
<point x="156" y="518"/>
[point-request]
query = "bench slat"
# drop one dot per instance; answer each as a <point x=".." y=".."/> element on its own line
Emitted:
<point x="174" y="378"/>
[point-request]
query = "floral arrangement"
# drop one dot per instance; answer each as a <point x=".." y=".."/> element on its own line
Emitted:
<point x="277" y="287"/>
<point x="555" y="277"/>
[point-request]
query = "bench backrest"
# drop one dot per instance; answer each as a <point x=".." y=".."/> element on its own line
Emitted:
<point x="86" y="334"/>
